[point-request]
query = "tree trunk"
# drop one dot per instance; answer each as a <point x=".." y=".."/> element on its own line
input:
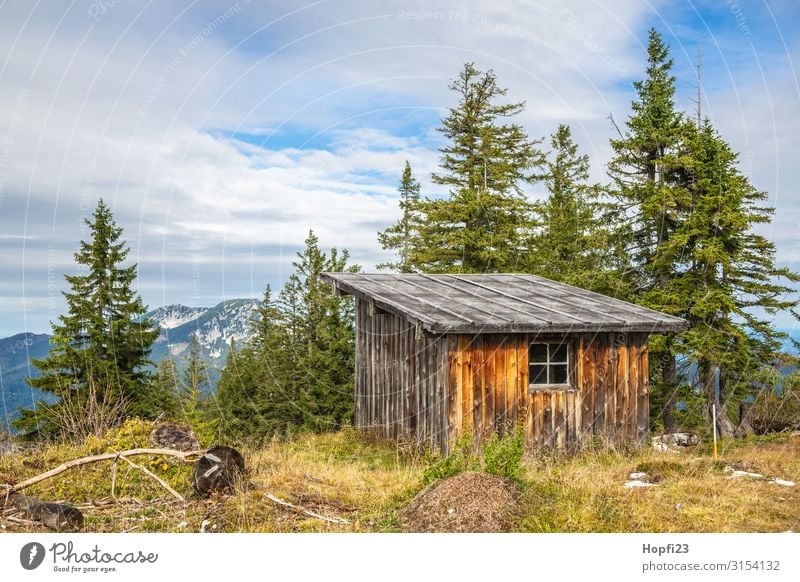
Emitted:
<point x="669" y="376"/>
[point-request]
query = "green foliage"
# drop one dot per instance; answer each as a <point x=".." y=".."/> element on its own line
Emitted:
<point x="298" y="372"/>
<point x="570" y="244"/>
<point x="195" y="397"/>
<point x="483" y="224"/>
<point x="99" y="354"/>
<point x="502" y="456"/>
<point x="401" y="236"/>
<point x="499" y="455"/>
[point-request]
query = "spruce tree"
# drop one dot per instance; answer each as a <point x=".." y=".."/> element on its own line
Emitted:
<point x="196" y="394"/>
<point x="651" y="202"/>
<point x="99" y="355"/>
<point x="732" y="282"/>
<point x="483" y="224"/>
<point x="401" y="237"/>
<point x="297" y="373"/>
<point x="570" y="244"/>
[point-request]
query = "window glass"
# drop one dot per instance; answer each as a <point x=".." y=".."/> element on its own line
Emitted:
<point x="558" y="374"/>
<point x="558" y="353"/>
<point x="549" y="363"/>
<point x="538" y="353"/>
<point x="538" y="374"/>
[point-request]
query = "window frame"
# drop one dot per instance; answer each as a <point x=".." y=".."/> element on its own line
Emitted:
<point x="569" y="385"/>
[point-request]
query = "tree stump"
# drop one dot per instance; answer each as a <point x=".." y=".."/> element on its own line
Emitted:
<point x="170" y="435"/>
<point x="56" y="516"/>
<point x="219" y="469"/>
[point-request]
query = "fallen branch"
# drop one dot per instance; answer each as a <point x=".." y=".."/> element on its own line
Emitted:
<point x="304" y="511"/>
<point x="155" y="477"/>
<point x="96" y="459"/>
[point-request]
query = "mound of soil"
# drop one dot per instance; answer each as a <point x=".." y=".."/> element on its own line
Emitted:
<point x="468" y="502"/>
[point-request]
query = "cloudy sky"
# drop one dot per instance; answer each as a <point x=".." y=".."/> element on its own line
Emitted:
<point x="220" y="133"/>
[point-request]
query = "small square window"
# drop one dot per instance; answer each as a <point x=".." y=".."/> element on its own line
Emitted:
<point x="549" y="364"/>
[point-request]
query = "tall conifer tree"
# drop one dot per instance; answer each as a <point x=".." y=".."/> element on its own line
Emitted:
<point x="732" y="284"/>
<point x="483" y="225"/>
<point x="401" y="236"/>
<point x="570" y="244"/>
<point x="100" y="349"/>
<point x="651" y="203"/>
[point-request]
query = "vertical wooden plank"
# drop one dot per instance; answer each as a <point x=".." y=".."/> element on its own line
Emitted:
<point x="454" y="392"/>
<point x="478" y="408"/>
<point x="587" y="387"/>
<point x="522" y="375"/>
<point x="499" y="384"/>
<point x="611" y="391"/>
<point x="468" y="387"/>
<point x="569" y="407"/>
<point x="578" y="417"/>
<point x="359" y="362"/>
<point x="489" y="388"/>
<point x="622" y="387"/>
<point x="530" y="435"/>
<point x="537" y="412"/>
<point x="511" y="384"/>
<point x="633" y="387"/>
<point x="561" y="416"/>
<point x="602" y="355"/>
<point x="547" y="419"/>
<point x="643" y="396"/>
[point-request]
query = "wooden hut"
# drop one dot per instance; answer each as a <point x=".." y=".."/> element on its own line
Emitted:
<point x="438" y="355"/>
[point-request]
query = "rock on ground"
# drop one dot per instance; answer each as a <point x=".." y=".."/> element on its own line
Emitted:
<point x="169" y="435"/>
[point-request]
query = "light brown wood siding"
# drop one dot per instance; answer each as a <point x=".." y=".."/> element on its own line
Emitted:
<point x="608" y="398"/>
<point x="434" y="388"/>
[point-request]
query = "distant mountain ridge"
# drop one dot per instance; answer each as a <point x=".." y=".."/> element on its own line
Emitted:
<point x="215" y="328"/>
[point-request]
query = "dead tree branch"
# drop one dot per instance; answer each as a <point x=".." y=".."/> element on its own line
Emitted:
<point x="185" y="456"/>
<point x="304" y="511"/>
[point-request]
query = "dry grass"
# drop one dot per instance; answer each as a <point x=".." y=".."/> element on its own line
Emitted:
<point x="369" y="481"/>
<point x="584" y="493"/>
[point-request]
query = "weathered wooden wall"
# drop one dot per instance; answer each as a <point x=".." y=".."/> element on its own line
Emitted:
<point x="609" y="398"/>
<point x="401" y="379"/>
<point x="434" y="388"/>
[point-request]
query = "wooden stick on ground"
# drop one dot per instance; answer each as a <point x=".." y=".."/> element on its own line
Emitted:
<point x="155" y="477"/>
<point x="304" y="511"/>
<point x="95" y="459"/>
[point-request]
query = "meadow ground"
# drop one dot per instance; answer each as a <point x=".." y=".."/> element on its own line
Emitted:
<point x="368" y="482"/>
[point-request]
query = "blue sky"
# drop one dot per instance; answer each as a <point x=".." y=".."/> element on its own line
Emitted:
<point x="221" y="132"/>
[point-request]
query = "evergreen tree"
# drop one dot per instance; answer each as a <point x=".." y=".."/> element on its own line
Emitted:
<point x="321" y="344"/>
<point x="651" y="203"/>
<point x="570" y="244"/>
<point x="196" y="394"/>
<point x="483" y="225"/>
<point x="401" y="236"/>
<point x="166" y="387"/>
<point x="298" y="371"/>
<point x="97" y="365"/>
<point x="732" y="282"/>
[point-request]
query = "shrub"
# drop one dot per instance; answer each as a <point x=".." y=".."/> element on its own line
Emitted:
<point x="501" y="456"/>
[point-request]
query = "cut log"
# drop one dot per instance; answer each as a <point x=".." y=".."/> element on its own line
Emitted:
<point x="56" y="516"/>
<point x="219" y="469"/>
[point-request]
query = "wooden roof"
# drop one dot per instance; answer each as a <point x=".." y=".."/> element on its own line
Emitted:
<point x="499" y="303"/>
